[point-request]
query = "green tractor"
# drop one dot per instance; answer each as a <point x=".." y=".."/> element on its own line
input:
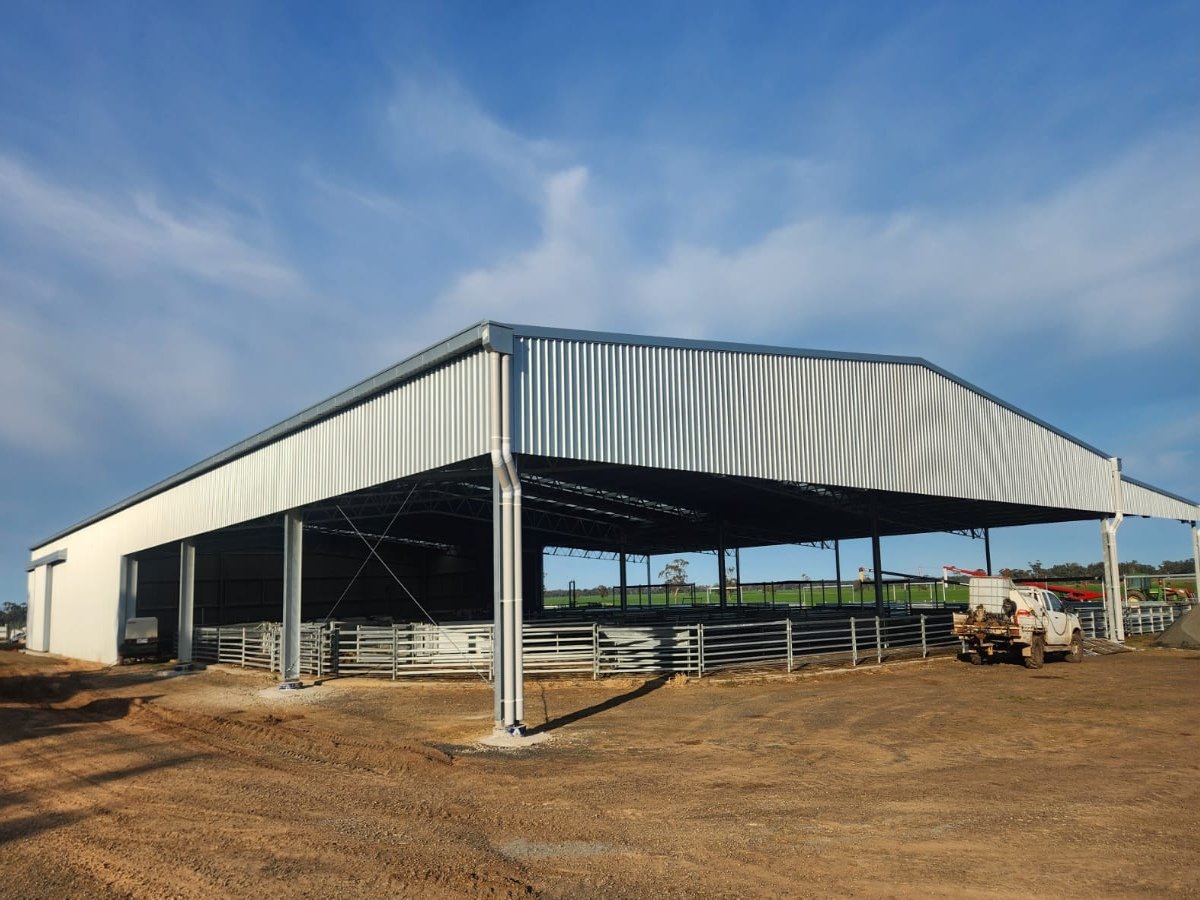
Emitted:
<point x="1142" y="588"/>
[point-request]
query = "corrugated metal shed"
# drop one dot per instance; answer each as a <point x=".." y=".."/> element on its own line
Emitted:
<point x="889" y="427"/>
<point x="1139" y="499"/>
<point x="873" y="423"/>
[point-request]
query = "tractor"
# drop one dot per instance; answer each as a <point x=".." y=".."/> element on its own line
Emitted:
<point x="1140" y="588"/>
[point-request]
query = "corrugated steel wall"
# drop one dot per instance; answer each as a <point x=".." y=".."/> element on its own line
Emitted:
<point x="1141" y="501"/>
<point x="441" y="417"/>
<point x="862" y="424"/>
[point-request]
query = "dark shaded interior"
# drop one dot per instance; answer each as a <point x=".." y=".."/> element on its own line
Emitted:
<point x="434" y="533"/>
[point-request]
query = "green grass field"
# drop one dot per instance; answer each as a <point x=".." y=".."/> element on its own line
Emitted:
<point x="785" y="594"/>
<point x="779" y="594"/>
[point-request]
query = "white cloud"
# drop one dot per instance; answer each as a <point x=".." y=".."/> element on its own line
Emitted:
<point x="437" y="119"/>
<point x="136" y="234"/>
<point x="1113" y="250"/>
<point x="118" y="316"/>
<point x="565" y="279"/>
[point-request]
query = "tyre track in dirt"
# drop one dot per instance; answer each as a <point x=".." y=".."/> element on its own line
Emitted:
<point x="926" y="779"/>
<point x="83" y="815"/>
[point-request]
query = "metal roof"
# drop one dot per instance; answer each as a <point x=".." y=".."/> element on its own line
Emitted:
<point x="677" y="400"/>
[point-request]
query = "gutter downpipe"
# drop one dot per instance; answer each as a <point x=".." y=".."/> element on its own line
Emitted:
<point x="1112" y="566"/>
<point x="501" y="552"/>
<point x="515" y="667"/>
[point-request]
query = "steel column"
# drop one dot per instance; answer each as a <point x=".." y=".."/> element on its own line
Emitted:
<point x="1113" y="604"/>
<point x="1196" y="554"/>
<point x="187" y="593"/>
<point x="722" y="590"/>
<point x="504" y="657"/>
<point x="987" y="550"/>
<point x="877" y="559"/>
<point x="624" y="586"/>
<point x="837" y="567"/>
<point x="497" y="593"/>
<point x="129" y="586"/>
<point x="293" y="555"/>
<point x="516" y="670"/>
<point x="47" y="603"/>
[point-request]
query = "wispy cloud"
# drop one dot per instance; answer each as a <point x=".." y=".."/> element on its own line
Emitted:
<point x="118" y="313"/>
<point x="1112" y="248"/>
<point x="437" y="119"/>
<point x="135" y="233"/>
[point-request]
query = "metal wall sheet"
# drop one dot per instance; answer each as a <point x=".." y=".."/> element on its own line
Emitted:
<point x="883" y="425"/>
<point x="1140" y="500"/>
<point x="438" y="418"/>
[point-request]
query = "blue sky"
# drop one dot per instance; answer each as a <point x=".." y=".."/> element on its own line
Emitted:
<point x="212" y="216"/>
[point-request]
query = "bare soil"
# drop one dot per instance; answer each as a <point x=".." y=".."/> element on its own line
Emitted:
<point x="932" y="777"/>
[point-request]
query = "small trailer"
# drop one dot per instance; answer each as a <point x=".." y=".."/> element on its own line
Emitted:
<point x="141" y="639"/>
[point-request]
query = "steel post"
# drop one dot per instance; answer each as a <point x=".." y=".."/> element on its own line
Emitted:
<point x="293" y="555"/>
<point x="624" y="582"/>
<point x="789" y="644"/>
<point x="128" y="593"/>
<point x="1196" y="554"/>
<point x="595" y="651"/>
<point x="503" y="706"/>
<point x="722" y="590"/>
<point x="131" y="591"/>
<point x="497" y="596"/>
<point x="47" y="602"/>
<point x="987" y="550"/>
<point x="516" y="561"/>
<point x="187" y="592"/>
<point x="1112" y="565"/>
<point x="737" y="572"/>
<point x="837" y="568"/>
<point x="877" y="561"/>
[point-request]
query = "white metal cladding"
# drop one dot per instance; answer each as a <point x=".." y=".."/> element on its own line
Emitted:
<point x="859" y="423"/>
<point x="1139" y="500"/>
<point x="438" y="418"/>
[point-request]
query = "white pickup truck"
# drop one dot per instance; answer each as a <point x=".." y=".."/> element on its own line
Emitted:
<point x="1018" y="621"/>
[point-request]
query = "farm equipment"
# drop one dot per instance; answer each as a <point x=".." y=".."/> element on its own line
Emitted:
<point x="1024" y="623"/>
<point x="1071" y="594"/>
<point x="1142" y="588"/>
<point x="961" y="576"/>
<point x="141" y="639"/>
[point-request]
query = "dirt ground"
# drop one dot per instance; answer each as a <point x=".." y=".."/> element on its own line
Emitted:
<point x="932" y="777"/>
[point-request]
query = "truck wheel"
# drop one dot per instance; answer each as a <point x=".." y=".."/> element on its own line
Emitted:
<point x="1075" y="652"/>
<point x="1037" y="653"/>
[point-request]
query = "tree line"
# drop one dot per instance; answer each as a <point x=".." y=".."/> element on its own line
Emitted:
<point x="12" y="615"/>
<point x="1095" y="571"/>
